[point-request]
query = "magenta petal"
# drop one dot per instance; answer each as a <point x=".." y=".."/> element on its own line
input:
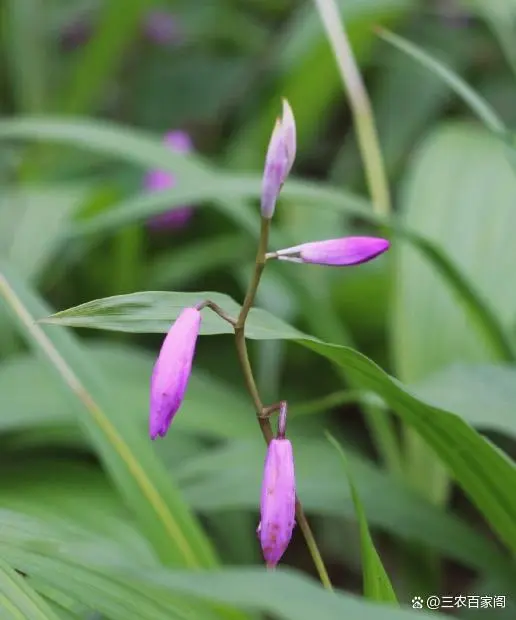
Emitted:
<point x="346" y="251"/>
<point x="179" y="141"/>
<point x="278" y="501"/>
<point x="158" y="180"/>
<point x="176" y="218"/>
<point x="278" y="160"/>
<point x="336" y="252"/>
<point x="172" y="371"/>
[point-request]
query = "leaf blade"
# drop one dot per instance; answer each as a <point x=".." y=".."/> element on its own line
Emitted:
<point x="377" y="585"/>
<point x="169" y="524"/>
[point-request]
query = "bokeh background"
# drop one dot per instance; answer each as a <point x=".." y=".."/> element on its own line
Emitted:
<point x="88" y="91"/>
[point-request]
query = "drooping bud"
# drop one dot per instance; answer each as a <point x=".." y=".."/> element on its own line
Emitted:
<point x="335" y="252"/>
<point x="172" y="371"/>
<point x="279" y="159"/>
<point x="159" y="180"/>
<point x="278" y="499"/>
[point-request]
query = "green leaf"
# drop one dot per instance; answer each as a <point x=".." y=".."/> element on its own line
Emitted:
<point x="26" y="54"/>
<point x="116" y="591"/>
<point x="176" y="268"/>
<point x="211" y="408"/>
<point x="460" y="191"/>
<point x="400" y="78"/>
<point x="94" y="590"/>
<point x="499" y="17"/>
<point x="76" y="563"/>
<point x="68" y="500"/>
<point x="290" y="595"/>
<point x="18" y="601"/>
<point x="125" y="451"/>
<point x="482" y="394"/>
<point x="108" y="139"/>
<point x="152" y="311"/>
<point x="377" y="585"/>
<point x="25" y="212"/>
<point x="101" y="56"/>
<point x="485" y="474"/>
<point x="476" y="103"/>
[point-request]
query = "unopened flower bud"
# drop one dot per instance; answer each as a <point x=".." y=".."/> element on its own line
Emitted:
<point x="172" y="371"/>
<point x="159" y="180"/>
<point x="279" y="159"/>
<point x="278" y="500"/>
<point x="335" y="252"/>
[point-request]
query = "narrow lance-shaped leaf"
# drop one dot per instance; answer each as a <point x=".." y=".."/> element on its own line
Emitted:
<point x="18" y="599"/>
<point x="475" y="101"/>
<point x="377" y="585"/>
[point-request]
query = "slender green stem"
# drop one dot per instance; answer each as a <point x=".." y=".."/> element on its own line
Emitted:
<point x="258" y="270"/>
<point x="218" y="310"/>
<point x="304" y="526"/>
<point x="360" y="105"/>
<point x="241" y="345"/>
<point x="262" y="413"/>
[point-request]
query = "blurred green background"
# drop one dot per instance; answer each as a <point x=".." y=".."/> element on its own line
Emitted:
<point x="98" y="522"/>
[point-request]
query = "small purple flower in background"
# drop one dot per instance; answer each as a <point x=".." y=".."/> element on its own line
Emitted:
<point x="172" y="371"/>
<point x="159" y="180"/>
<point x="278" y="500"/>
<point x="335" y="252"/>
<point x="279" y="159"/>
<point x="161" y="27"/>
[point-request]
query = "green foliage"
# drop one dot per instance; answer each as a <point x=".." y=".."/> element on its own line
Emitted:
<point x="377" y="585"/>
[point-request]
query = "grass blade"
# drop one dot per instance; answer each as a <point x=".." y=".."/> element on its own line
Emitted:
<point x="377" y="585"/>
<point x="471" y="98"/>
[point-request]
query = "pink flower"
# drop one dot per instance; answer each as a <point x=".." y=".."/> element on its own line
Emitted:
<point x="172" y="371"/>
<point x="159" y="180"/>
<point x="279" y="159"/>
<point x="278" y="500"/>
<point x="335" y="252"/>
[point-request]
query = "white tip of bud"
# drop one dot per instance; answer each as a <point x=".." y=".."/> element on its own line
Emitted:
<point x="279" y="159"/>
<point x="289" y="128"/>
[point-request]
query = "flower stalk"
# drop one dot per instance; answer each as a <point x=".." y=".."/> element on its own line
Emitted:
<point x="263" y="413"/>
<point x="279" y="506"/>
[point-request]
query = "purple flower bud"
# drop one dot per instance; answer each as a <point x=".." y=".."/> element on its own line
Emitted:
<point x="172" y="371"/>
<point x="335" y="252"/>
<point x="161" y="27"/>
<point x="159" y="180"/>
<point x="278" y="501"/>
<point x="279" y="159"/>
